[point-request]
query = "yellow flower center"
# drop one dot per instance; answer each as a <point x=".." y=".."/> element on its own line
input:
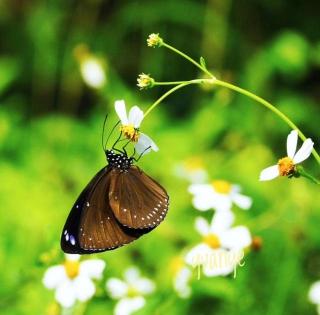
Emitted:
<point x="132" y="291"/>
<point x="212" y="240"/>
<point x="176" y="265"/>
<point x="286" y="166"/>
<point x="72" y="268"/>
<point x="193" y="164"/>
<point x="130" y="132"/>
<point x="221" y="186"/>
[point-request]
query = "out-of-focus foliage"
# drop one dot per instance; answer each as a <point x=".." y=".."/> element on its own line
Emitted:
<point x="50" y="129"/>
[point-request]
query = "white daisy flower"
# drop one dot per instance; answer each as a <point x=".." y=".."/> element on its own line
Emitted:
<point x="287" y="165"/>
<point x="192" y="170"/>
<point x="221" y="249"/>
<point x="130" y="125"/>
<point x="181" y="277"/>
<point x="72" y="280"/>
<point x="314" y="295"/>
<point x="130" y="291"/>
<point x="219" y="195"/>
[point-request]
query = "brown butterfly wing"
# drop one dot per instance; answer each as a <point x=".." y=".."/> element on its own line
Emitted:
<point x="137" y="200"/>
<point x="91" y="226"/>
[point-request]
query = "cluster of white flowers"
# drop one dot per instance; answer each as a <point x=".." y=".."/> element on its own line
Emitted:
<point x="72" y="282"/>
<point x="222" y="247"/>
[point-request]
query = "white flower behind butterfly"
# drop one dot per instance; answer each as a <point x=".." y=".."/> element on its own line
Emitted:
<point x="72" y="280"/>
<point x="219" y="195"/>
<point x="314" y="295"/>
<point x="287" y="165"/>
<point x="130" y="125"/>
<point x="130" y="291"/>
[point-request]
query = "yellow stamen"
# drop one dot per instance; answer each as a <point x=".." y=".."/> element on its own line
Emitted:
<point x="221" y="186"/>
<point x="130" y="132"/>
<point x="72" y="268"/>
<point x="286" y="166"/>
<point x="212" y="240"/>
<point x="132" y="292"/>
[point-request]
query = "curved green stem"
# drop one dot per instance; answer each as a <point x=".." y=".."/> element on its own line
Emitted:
<point x="230" y="86"/>
<point x="169" y="83"/>
<point x="270" y="107"/>
<point x="189" y="59"/>
<point x="181" y="85"/>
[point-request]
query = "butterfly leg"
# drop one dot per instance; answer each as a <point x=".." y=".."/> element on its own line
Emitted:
<point x="141" y="154"/>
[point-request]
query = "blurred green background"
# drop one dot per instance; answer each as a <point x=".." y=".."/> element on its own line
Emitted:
<point x="50" y="129"/>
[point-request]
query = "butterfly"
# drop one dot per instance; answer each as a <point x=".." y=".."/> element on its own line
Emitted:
<point x="120" y="204"/>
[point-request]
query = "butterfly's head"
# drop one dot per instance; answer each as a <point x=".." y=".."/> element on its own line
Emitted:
<point x="118" y="160"/>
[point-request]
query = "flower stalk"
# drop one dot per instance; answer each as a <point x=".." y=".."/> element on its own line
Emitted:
<point x="213" y="80"/>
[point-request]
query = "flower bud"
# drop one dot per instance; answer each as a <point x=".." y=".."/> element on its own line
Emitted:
<point x="154" y="40"/>
<point x="145" y="81"/>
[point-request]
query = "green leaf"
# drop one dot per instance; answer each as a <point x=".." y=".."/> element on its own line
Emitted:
<point x="203" y="63"/>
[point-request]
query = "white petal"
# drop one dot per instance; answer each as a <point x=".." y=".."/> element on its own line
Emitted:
<point x="54" y="276"/>
<point x="221" y="221"/>
<point x="116" y="288"/>
<point x="292" y="141"/>
<point x="131" y="275"/>
<point x="181" y="282"/>
<point x="203" y="196"/>
<point x="120" y="107"/>
<point x="242" y="201"/>
<point x="144" y="286"/>
<point x="65" y="294"/>
<point x="84" y="288"/>
<point x="314" y="293"/>
<point x="202" y="203"/>
<point x="269" y="173"/>
<point x="145" y="144"/>
<point x="202" y="226"/>
<point x="129" y="305"/>
<point x="72" y="257"/>
<point x="218" y="263"/>
<point x="236" y="238"/>
<point x="200" y="189"/>
<point x="135" y="116"/>
<point x="92" y="268"/>
<point x="304" y="151"/>
<point x="197" y="255"/>
<point x="221" y="202"/>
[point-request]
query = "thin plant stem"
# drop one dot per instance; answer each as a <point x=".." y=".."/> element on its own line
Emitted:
<point x="177" y="87"/>
<point x="234" y="88"/>
<point x="169" y="83"/>
<point x="270" y="107"/>
<point x="198" y="65"/>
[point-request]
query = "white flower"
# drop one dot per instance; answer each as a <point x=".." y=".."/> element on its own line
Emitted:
<point x="219" y="195"/>
<point x="92" y="72"/>
<point x="72" y="280"/>
<point x="92" y="68"/>
<point x="314" y="295"/>
<point x="286" y="165"/>
<point x="181" y="277"/>
<point x="192" y="170"/>
<point x="221" y="249"/>
<point x="130" y="127"/>
<point x="129" y="292"/>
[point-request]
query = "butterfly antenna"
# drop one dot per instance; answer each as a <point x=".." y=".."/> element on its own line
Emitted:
<point x="103" y="129"/>
<point x="118" y="140"/>
<point x="114" y="127"/>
